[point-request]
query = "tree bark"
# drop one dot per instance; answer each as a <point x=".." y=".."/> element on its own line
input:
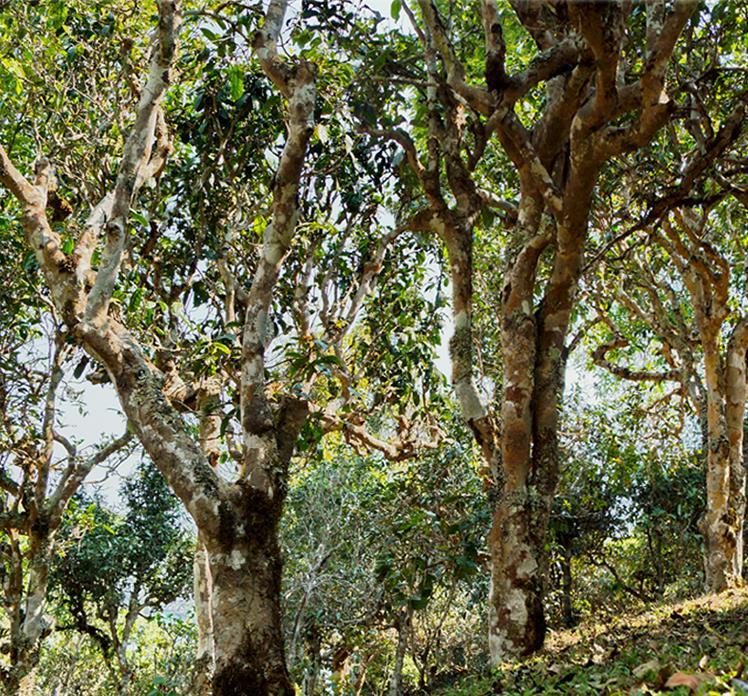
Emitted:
<point x="515" y="615"/>
<point x="204" y="659"/>
<point x="396" y="678"/>
<point x="28" y="627"/>
<point x="724" y="518"/>
<point x="245" y="600"/>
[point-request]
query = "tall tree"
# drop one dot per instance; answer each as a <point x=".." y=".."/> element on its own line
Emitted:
<point x="595" y="88"/>
<point x="125" y="305"/>
<point x="237" y="521"/>
<point x="709" y="363"/>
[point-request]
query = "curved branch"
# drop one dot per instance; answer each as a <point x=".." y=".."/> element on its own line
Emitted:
<point x="599" y="357"/>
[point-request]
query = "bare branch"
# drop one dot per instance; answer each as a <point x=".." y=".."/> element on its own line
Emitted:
<point x="599" y="357"/>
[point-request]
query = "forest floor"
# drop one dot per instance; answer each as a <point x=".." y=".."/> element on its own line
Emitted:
<point x="695" y="647"/>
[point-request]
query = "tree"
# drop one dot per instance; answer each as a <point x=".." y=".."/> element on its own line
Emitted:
<point x="594" y="88"/>
<point x="250" y="412"/>
<point x="237" y="521"/>
<point x="37" y="485"/>
<point x="115" y="569"/>
<point x="715" y="384"/>
<point x="380" y="549"/>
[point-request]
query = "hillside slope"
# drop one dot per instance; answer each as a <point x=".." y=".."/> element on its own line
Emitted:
<point x="699" y="646"/>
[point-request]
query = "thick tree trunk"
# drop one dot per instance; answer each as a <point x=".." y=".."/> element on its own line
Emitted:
<point x="515" y="617"/>
<point x="245" y="600"/>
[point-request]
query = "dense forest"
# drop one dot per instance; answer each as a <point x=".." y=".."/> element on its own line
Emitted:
<point x="383" y="348"/>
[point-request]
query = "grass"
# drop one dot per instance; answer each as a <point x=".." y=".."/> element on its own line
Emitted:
<point x="695" y="647"/>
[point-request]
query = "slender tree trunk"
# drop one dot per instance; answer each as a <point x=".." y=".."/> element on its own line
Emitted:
<point x="245" y="599"/>
<point x="29" y="627"/>
<point x="396" y="678"/>
<point x="125" y="668"/>
<point x="724" y="518"/>
<point x="366" y="659"/>
<point x="721" y="520"/>
<point x="204" y="659"/>
<point x="314" y="655"/>
<point x="719" y="524"/>
<point x="566" y="586"/>
<point x="736" y="398"/>
<point x="209" y="432"/>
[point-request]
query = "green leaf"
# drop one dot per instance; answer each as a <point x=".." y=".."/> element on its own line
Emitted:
<point x="236" y="83"/>
<point x="395" y="8"/>
<point x="221" y="348"/>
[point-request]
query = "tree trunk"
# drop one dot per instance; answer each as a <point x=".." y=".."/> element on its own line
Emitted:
<point x="718" y="525"/>
<point x="516" y="622"/>
<point x="566" y="586"/>
<point x="721" y="520"/>
<point x="30" y="626"/>
<point x="245" y="599"/>
<point x="396" y="678"/>
<point x="204" y="661"/>
<point x="314" y="656"/>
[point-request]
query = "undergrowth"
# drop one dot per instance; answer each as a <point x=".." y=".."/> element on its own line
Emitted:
<point x="695" y="647"/>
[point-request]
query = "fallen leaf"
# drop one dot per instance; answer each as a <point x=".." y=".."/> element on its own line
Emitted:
<point x="691" y="681"/>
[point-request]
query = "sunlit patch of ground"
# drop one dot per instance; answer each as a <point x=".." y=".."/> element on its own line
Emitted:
<point x="695" y="647"/>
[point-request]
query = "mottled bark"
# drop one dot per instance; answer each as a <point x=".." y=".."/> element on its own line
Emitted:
<point x="237" y="521"/>
<point x="26" y="609"/>
<point x="724" y="517"/>
<point x="209" y="433"/>
<point x="719" y="400"/>
<point x="204" y="658"/>
<point x="245" y="600"/>
<point x="706" y="275"/>
<point x="557" y="161"/>
<point x="396" y="675"/>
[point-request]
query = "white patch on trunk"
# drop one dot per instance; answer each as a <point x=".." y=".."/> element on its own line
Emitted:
<point x="461" y="320"/>
<point x="237" y="559"/>
<point x="470" y="403"/>
<point x="437" y="224"/>
<point x="515" y="602"/>
<point x="527" y="567"/>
